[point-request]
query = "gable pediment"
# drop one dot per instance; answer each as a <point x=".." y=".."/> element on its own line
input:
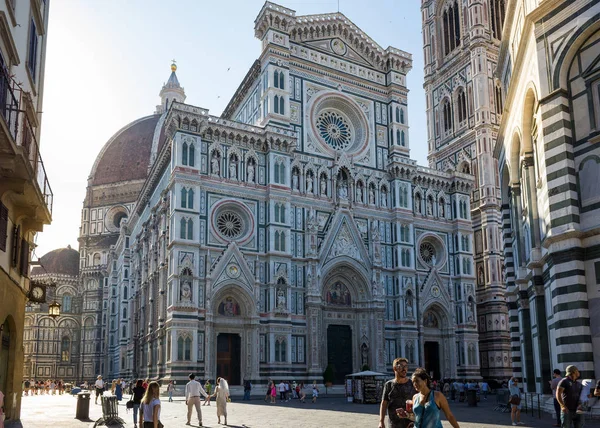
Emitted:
<point x="337" y="47"/>
<point x="344" y="240"/>
<point x="434" y="291"/>
<point x="232" y="268"/>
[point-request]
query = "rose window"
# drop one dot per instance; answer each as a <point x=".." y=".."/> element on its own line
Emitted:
<point x="428" y="252"/>
<point x="334" y="129"/>
<point x="230" y="224"/>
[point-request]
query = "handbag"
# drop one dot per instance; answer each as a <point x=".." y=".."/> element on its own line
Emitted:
<point x="515" y="399"/>
<point x="130" y="403"/>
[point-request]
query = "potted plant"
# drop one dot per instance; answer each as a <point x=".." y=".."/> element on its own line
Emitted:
<point x="328" y="375"/>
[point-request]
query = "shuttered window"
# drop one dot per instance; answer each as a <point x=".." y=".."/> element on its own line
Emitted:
<point x="3" y="226"/>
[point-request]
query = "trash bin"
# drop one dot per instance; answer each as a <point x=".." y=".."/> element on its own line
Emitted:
<point x="472" y="397"/>
<point x="83" y="406"/>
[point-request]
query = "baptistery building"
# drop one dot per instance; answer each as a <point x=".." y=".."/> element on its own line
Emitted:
<point x="291" y="233"/>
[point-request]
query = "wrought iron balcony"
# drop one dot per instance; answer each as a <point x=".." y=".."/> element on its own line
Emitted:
<point x="19" y="148"/>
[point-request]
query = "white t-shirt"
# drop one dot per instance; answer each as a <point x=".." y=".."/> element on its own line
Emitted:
<point x="282" y="387"/>
<point x="99" y="384"/>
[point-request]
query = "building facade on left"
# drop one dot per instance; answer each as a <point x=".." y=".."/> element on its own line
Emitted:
<point x="25" y="194"/>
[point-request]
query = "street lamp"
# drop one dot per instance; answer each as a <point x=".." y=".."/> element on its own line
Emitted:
<point x="54" y="310"/>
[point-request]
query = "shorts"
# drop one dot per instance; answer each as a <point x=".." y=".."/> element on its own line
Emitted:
<point x="515" y="406"/>
<point x="99" y="392"/>
<point x="315" y="394"/>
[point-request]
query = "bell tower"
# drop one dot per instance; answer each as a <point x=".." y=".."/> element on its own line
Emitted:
<point x="461" y="45"/>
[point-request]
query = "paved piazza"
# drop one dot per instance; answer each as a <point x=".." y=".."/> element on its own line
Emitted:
<point x="59" y="411"/>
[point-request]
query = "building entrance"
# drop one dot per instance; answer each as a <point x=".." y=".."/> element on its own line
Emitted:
<point x="432" y="359"/>
<point x="339" y="351"/>
<point x="4" y="351"/>
<point x="228" y="357"/>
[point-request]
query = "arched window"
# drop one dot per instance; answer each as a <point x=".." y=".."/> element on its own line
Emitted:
<point x="281" y="105"/>
<point x="497" y="12"/>
<point x="66" y="303"/>
<point x="280" y="348"/>
<point x="65" y="346"/>
<point x="190" y="199"/>
<point x="183" y="197"/>
<point x="276" y="103"/>
<point x="398" y="114"/>
<point x="125" y="293"/>
<point x="190" y="229"/>
<point x="112" y="308"/>
<point x="276" y="78"/>
<point x="447" y="112"/>
<point x="126" y="274"/>
<point x="191" y="155"/>
<point x="280" y="172"/>
<point x="281" y="80"/>
<point x="184" y="154"/>
<point x="461" y="100"/>
<point x="124" y="331"/>
<point x="398" y="137"/>
<point x="402" y="139"/>
<point x="182" y="228"/>
<point x="402" y="116"/>
<point x="124" y="313"/>
<point x="498" y="99"/>
<point x="451" y="27"/>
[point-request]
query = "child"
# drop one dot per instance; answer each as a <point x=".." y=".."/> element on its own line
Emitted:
<point x="315" y="392"/>
<point x="208" y="389"/>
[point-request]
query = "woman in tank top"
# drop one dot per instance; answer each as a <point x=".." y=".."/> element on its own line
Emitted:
<point x="427" y="404"/>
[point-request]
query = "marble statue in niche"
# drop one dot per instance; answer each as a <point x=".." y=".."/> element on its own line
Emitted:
<point x="186" y="291"/>
<point x="232" y="168"/>
<point x="359" y="195"/>
<point x="409" y="305"/>
<point x="309" y="184"/>
<point x="295" y="180"/>
<point x="364" y="354"/>
<point x="442" y="209"/>
<point x="250" y="172"/>
<point x="384" y="198"/>
<point x="343" y="189"/>
<point x="430" y="206"/>
<point x="372" y="195"/>
<point x="418" y="203"/>
<point x="323" y="186"/>
<point x="280" y="299"/>
<point x="215" y="164"/>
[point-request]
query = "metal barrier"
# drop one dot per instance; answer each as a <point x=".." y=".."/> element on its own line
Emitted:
<point x="110" y="412"/>
<point x="532" y="402"/>
<point x="502" y="397"/>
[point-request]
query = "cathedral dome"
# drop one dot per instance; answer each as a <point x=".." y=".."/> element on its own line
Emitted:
<point x="126" y="156"/>
<point x="63" y="261"/>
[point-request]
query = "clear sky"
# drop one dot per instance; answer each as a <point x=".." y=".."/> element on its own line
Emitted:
<point x="107" y="60"/>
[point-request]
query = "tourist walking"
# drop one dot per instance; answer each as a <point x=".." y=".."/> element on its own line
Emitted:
<point x="281" y="391"/>
<point x="315" y="392"/>
<point x="247" y="389"/>
<point x="150" y="407"/>
<point x="557" y="376"/>
<point x="119" y="390"/>
<point x="568" y="393"/>
<point x="221" y="396"/>
<point x="193" y="391"/>
<point x="485" y="388"/>
<point x="99" y="386"/>
<point x="268" y="393"/>
<point x="208" y="389"/>
<point x="170" y="389"/>
<point x="395" y="394"/>
<point x="426" y="404"/>
<point x="273" y="392"/>
<point x="138" y="393"/>
<point x="446" y="389"/>
<point x="515" y="401"/>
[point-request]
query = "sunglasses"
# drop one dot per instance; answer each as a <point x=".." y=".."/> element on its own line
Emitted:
<point x="403" y="366"/>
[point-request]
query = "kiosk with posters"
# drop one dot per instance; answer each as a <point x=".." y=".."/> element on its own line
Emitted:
<point x="365" y="387"/>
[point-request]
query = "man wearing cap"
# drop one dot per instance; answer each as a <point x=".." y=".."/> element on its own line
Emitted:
<point x="567" y="395"/>
<point x="99" y="387"/>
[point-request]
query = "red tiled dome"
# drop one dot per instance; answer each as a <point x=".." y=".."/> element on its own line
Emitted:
<point x="126" y="155"/>
<point x="62" y="261"/>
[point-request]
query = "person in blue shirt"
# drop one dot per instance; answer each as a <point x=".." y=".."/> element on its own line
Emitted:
<point x="515" y="413"/>
<point x="427" y="404"/>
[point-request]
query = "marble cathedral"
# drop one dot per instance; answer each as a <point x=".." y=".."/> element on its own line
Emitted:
<point x="291" y="233"/>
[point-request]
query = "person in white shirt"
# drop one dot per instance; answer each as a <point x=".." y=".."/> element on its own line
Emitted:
<point x="281" y="388"/>
<point x="99" y="387"/>
<point x="193" y="390"/>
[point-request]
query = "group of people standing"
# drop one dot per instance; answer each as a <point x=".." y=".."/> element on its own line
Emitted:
<point x="288" y="391"/>
<point x="413" y="402"/>
<point x="40" y="387"/>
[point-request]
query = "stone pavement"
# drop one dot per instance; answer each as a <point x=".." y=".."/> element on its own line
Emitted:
<point x="59" y="412"/>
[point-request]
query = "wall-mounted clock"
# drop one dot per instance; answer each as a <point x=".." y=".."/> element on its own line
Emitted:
<point x="37" y="293"/>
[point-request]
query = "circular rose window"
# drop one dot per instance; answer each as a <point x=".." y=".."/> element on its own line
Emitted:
<point x="334" y="130"/>
<point x="427" y="252"/>
<point x="230" y="224"/>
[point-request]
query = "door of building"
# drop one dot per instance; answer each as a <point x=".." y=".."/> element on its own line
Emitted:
<point x="339" y="351"/>
<point x="432" y="359"/>
<point x="228" y="357"/>
<point x="4" y="352"/>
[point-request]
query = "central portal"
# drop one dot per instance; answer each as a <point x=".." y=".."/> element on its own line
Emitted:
<point x="432" y="359"/>
<point x="228" y="357"/>
<point x="339" y="351"/>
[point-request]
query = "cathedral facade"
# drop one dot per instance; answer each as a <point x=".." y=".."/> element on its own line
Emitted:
<point x="292" y="233"/>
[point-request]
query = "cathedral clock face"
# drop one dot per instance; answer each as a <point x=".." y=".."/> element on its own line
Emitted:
<point x="37" y="293"/>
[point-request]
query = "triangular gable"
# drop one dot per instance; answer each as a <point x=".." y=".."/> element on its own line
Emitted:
<point x="340" y="49"/>
<point x="344" y="240"/>
<point x="434" y="291"/>
<point x="232" y="269"/>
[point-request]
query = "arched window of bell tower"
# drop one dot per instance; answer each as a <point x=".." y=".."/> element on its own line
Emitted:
<point x="497" y="13"/>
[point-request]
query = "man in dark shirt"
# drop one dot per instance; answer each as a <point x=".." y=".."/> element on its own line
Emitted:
<point x="554" y="386"/>
<point x="395" y="394"/>
<point x="567" y="394"/>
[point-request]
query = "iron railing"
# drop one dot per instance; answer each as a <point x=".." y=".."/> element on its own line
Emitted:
<point x="13" y="111"/>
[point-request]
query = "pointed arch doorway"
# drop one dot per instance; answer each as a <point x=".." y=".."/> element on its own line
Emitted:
<point x="437" y="336"/>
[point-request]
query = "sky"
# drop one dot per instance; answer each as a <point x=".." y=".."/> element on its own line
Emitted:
<point x="107" y="60"/>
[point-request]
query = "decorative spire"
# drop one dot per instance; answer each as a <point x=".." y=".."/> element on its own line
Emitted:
<point x="171" y="91"/>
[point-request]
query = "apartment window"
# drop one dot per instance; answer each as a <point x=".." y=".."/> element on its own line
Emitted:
<point x="3" y="226"/>
<point x="32" y="52"/>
